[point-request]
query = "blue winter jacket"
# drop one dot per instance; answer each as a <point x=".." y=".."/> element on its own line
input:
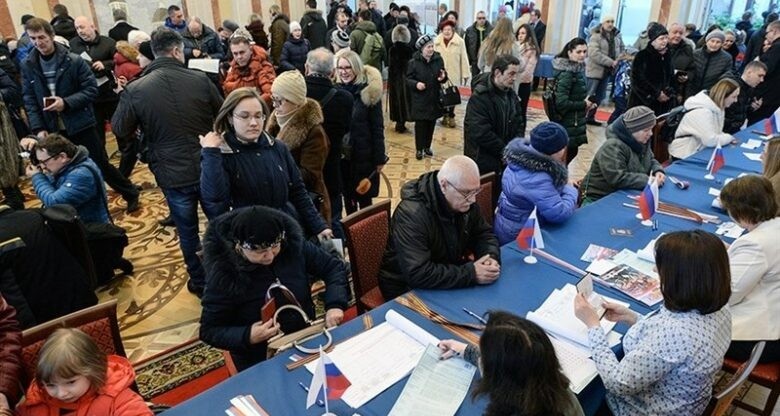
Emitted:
<point x="531" y="179"/>
<point x="78" y="184"/>
<point x="294" y="53"/>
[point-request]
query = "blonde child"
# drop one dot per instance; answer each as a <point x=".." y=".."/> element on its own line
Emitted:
<point x="75" y="378"/>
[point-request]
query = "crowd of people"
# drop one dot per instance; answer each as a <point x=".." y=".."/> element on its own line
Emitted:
<point x="288" y="134"/>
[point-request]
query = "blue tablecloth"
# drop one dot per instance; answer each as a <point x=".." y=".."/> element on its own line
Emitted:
<point x="544" y="68"/>
<point x="736" y="161"/>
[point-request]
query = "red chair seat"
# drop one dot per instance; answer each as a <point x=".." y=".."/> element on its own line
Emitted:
<point x="767" y="372"/>
<point x="372" y="299"/>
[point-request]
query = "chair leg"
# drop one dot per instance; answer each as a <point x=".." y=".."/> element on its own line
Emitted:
<point x="771" y="401"/>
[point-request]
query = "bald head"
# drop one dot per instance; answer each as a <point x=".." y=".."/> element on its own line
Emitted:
<point x="319" y="61"/>
<point x="195" y="26"/>
<point x="459" y="169"/>
<point x="459" y="182"/>
<point x="85" y="28"/>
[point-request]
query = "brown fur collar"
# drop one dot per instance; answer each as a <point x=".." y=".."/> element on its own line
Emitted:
<point x="372" y="93"/>
<point x="296" y="131"/>
<point x="126" y="50"/>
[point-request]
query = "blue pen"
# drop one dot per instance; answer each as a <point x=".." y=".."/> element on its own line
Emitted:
<point x="474" y="315"/>
<point x="320" y="403"/>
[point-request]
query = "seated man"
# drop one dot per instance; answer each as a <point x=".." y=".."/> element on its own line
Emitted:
<point x="74" y="179"/>
<point x="434" y="231"/>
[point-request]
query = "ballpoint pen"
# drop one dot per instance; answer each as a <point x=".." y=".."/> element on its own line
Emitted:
<point x="320" y="403"/>
<point x="475" y="316"/>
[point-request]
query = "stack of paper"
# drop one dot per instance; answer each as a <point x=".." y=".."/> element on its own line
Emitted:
<point x="245" y="406"/>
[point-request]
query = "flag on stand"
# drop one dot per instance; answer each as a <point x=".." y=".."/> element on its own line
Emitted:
<point x="530" y="236"/>
<point x="772" y="124"/>
<point x="326" y="376"/>
<point x="648" y="199"/>
<point x="717" y="160"/>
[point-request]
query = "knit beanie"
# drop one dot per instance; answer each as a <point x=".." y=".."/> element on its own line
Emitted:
<point x="294" y="25"/>
<point x="716" y="34"/>
<point x="291" y="86"/>
<point x="422" y="41"/>
<point x="258" y="227"/>
<point x="549" y="137"/>
<point x="230" y="25"/>
<point x="655" y="30"/>
<point x="146" y="50"/>
<point x="638" y="118"/>
<point x="340" y="38"/>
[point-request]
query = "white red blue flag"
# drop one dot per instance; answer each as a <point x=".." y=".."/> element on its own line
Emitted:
<point x="717" y="160"/>
<point x="328" y="377"/>
<point x="648" y="199"/>
<point x="530" y="236"/>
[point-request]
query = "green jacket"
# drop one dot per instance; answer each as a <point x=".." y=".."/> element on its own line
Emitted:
<point x="620" y="163"/>
<point x="570" y="92"/>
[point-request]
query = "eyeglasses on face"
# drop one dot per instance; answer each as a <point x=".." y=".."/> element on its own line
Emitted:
<point x="45" y="161"/>
<point x="277" y="101"/>
<point x="465" y="194"/>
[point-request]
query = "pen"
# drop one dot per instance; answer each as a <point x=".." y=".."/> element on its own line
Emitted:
<point x="320" y="403"/>
<point x="475" y="316"/>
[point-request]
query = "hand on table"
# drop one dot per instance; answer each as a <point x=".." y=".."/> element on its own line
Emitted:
<point x="262" y="331"/>
<point x="660" y="177"/>
<point x="333" y="317"/>
<point x="487" y="270"/>
<point x="450" y="348"/>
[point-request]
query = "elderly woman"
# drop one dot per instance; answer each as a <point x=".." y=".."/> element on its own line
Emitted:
<point x="702" y="124"/>
<point x="424" y="77"/>
<point x="672" y="354"/>
<point x="233" y="175"/>
<point x="652" y="73"/>
<point x="367" y="133"/>
<point x="625" y="160"/>
<point x="452" y="49"/>
<point x="755" y="267"/>
<point x="297" y="122"/>
<point x="253" y="255"/>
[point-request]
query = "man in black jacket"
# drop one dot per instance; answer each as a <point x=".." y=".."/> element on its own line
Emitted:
<point x="737" y="113"/>
<point x="434" y="229"/>
<point x="62" y="22"/>
<point x="121" y="27"/>
<point x="173" y="105"/>
<point x="768" y="91"/>
<point x="475" y="35"/>
<point x="493" y="116"/>
<point x="337" y="114"/>
<point x="314" y="26"/>
<point x="540" y="29"/>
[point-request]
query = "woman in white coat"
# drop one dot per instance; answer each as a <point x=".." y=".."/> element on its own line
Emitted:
<point x="452" y="49"/>
<point x="755" y="267"/>
<point x="702" y="124"/>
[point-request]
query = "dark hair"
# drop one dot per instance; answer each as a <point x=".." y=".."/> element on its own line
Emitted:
<point x="694" y="271"/>
<point x="537" y="13"/>
<point x="449" y="13"/>
<point x="520" y="372"/>
<point x="119" y="14"/>
<point x="570" y="46"/>
<point x="750" y="199"/>
<point x="36" y="24"/>
<point x="60" y="10"/>
<point x="55" y="144"/>
<point x="173" y="8"/>
<point x="747" y="15"/>
<point x="502" y="62"/>
<point x="690" y="26"/>
<point x="312" y="4"/>
<point x="771" y="17"/>
<point x="222" y="123"/>
<point x="530" y="37"/>
<point x="164" y="40"/>
<point x="365" y="15"/>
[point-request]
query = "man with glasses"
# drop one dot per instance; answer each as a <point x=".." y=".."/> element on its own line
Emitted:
<point x="438" y="237"/>
<point x="475" y="35"/>
<point x="767" y="91"/>
<point x="604" y="47"/>
<point x="250" y="67"/>
<point x="172" y="115"/>
<point x="64" y="174"/>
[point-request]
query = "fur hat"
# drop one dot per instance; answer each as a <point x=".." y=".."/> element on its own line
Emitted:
<point x="291" y="86"/>
<point x="294" y="25"/>
<point x="655" y="30"/>
<point x="230" y="25"/>
<point x="256" y="228"/>
<point x="638" y="118"/>
<point x="549" y="137"/>
<point x="340" y="38"/>
<point x="422" y="41"/>
<point x="716" y="34"/>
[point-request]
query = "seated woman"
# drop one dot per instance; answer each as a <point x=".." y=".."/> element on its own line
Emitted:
<point x="702" y="124"/>
<point x="755" y="267"/>
<point x="771" y="160"/>
<point x="625" y="160"/>
<point x="672" y="354"/>
<point x="521" y="374"/>
<point x="255" y="254"/>
<point x="535" y="176"/>
<point x="233" y="175"/>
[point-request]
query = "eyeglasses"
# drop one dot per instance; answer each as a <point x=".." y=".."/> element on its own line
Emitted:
<point x="277" y="101"/>
<point x="344" y="68"/>
<point x="45" y="161"/>
<point x="246" y="116"/>
<point x="465" y="194"/>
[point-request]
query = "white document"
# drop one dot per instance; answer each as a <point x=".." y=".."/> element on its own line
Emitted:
<point x="753" y="156"/>
<point x="578" y="368"/>
<point x="647" y="253"/>
<point x="379" y="357"/>
<point x="85" y="56"/>
<point x="205" y="65"/>
<point x="751" y="144"/>
<point x="645" y="262"/>
<point x="436" y="387"/>
<point x="714" y="192"/>
<point x="730" y="230"/>
<point x="102" y="80"/>
<point x="556" y="316"/>
<point x="601" y="266"/>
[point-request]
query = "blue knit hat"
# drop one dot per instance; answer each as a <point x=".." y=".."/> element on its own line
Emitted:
<point x="549" y="137"/>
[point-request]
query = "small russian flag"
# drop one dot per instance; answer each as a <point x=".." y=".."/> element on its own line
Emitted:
<point x="336" y="382"/>
<point x="772" y="123"/>
<point x="716" y="161"/>
<point x="530" y="236"/>
<point x="648" y="199"/>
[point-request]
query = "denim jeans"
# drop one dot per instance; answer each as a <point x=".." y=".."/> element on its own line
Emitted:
<point x="621" y="105"/>
<point x="183" y="204"/>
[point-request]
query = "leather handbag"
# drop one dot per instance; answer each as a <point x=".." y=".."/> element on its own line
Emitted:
<point x="313" y="328"/>
<point x="450" y="95"/>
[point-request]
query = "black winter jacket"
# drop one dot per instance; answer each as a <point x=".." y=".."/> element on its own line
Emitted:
<point x="737" y="113"/>
<point x="429" y="244"/>
<point x="425" y="103"/>
<point x="399" y="56"/>
<point x="710" y="67"/>
<point x="294" y="54"/>
<point x="651" y="74"/>
<point x="768" y="90"/>
<point x="682" y="60"/>
<point x="120" y="30"/>
<point x="235" y="288"/>
<point x="64" y="26"/>
<point x="172" y="105"/>
<point x="208" y="44"/>
<point x="314" y="29"/>
<point x="473" y="41"/>
<point x="74" y="83"/>
<point x="102" y="49"/>
<point x="493" y="118"/>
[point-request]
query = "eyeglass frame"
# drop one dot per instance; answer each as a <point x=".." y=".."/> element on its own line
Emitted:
<point x="466" y="196"/>
<point x="45" y="161"/>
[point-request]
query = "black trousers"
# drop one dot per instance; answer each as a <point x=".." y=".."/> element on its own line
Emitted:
<point x="423" y="133"/>
<point x="97" y="152"/>
<point x="524" y="93"/>
<point x="571" y="152"/>
<point x="740" y="350"/>
<point x="127" y="145"/>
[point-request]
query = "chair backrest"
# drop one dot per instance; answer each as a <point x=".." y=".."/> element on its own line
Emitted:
<point x="486" y="198"/>
<point x="721" y="401"/>
<point x="98" y="321"/>
<point x="367" y="231"/>
<point x="660" y="143"/>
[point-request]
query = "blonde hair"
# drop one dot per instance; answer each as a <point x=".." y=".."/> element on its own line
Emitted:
<point x="499" y="41"/>
<point x="68" y="353"/>
<point x="772" y="158"/>
<point x="721" y="90"/>
<point x="355" y="62"/>
<point x="221" y="123"/>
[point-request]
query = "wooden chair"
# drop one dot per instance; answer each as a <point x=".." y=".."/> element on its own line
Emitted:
<point x="487" y="197"/>
<point x="721" y="402"/>
<point x="660" y="145"/>
<point x="367" y="231"/>
<point x="97" y="321"/>
<point x="766" y="375"/>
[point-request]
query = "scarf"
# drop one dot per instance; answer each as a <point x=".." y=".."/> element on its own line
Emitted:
<point x="283" y="119"/>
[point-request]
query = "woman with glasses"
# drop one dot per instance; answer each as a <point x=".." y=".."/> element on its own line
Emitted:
<point x="257" y="259"/>
<point x="242" y="165"/>
<point x="366" y="156"/>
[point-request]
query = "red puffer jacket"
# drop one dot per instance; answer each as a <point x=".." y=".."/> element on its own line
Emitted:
<point x="10" y="352"/>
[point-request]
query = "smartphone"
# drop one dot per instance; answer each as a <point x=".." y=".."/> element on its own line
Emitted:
<point x="47" y="101"/>
<point x="585" y="287"/>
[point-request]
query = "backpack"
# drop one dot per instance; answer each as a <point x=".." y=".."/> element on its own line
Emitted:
<point x="373" y="52"/>
<point x="7" y="63"/>
<point x="673" y="119"/>
<point x="548" y="99"/>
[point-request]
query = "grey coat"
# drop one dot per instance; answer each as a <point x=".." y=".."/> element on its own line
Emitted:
<point x="599" y="61"/>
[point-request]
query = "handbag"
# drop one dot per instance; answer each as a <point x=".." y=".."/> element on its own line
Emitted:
<point x="449" y="96"/>
<point x="282" y="341"/>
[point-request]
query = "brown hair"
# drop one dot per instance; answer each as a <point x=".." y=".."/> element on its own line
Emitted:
<point x="772" y="158"/>
<point x="36" y="24"/>
<point x="55" y="144"/>
<point x="221" y="123"/>
<point x="721" y="90"/>
<point x="749" y="199"/>
<point x="499" y="41"/>
<point x="68" y="353"/>
<point x="694" y="271"/>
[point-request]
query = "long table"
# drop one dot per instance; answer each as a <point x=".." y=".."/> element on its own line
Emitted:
<point x="520" y="288"/>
